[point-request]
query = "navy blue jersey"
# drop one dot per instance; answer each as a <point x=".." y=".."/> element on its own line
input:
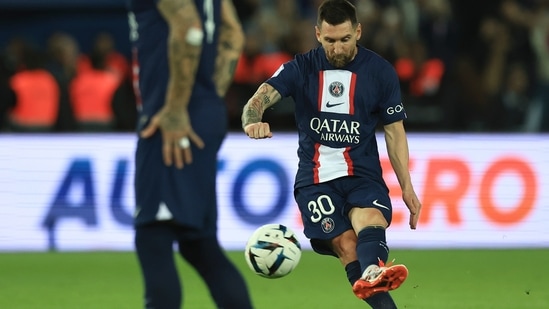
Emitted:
<point x="337" y="111"/>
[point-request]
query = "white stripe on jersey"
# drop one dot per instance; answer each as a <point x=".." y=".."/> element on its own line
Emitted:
<point x="331" y="163"/>
<point x="336" y="91"/>
<point x="335" y="95"/>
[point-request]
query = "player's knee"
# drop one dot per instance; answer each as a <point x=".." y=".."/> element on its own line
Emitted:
<point x="364" y="217"/>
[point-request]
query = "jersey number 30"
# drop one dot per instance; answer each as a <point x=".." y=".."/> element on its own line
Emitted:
<point x="323" y="206"/>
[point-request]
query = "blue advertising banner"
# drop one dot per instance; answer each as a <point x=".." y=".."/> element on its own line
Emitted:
<point x="75" y="192"/>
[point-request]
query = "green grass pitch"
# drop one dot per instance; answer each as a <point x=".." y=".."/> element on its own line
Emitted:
<point x="464" y="279"/>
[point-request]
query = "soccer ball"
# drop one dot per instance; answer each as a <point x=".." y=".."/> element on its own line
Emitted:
<point x="272" y="251"/>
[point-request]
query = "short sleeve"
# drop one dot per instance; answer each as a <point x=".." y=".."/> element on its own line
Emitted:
<point x="391" y="107"/>
<point x="284" y="80"/>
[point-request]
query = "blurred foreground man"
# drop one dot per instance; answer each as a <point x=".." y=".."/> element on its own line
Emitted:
<point x="186" y="51"/>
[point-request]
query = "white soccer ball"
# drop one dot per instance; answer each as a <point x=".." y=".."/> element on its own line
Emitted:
<point x="272" y="251"/>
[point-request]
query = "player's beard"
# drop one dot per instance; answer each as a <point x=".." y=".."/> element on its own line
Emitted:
<point x="340" y="60"/>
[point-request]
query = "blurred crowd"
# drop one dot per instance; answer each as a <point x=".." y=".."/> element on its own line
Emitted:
<point x="464" y="66"/>
<point x="61" y="89"/>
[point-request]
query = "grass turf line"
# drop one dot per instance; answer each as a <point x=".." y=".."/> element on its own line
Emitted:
<point x="460" y="279"/>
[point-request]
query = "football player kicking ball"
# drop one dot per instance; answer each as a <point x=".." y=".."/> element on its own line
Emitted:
<point x="341" y="91"/>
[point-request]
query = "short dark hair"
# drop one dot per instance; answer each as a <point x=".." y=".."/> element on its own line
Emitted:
<point x="336" y="12"/>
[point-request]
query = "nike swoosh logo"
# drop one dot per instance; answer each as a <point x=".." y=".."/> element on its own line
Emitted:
<point x="376" y="203"/>
<point x="328" y="105"/>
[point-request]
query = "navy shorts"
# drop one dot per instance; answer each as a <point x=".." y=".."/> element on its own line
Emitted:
<point x="325" y="207"/>
<point x="189" y="193"/>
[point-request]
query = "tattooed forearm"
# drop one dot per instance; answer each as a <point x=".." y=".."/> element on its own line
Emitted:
<point x="253" y="112"/>
<point x="231" y="43"/>
<point x="183" y="57"/>
<point x="265" y="97"/>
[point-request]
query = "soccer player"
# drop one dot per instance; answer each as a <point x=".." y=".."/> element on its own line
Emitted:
<point x="341" y="91"/>
<point x="187" y="51"/>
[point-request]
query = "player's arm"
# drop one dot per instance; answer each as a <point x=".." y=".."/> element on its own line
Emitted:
<point x="231" y="43"/>
<point x="184" y="49"/>
<point x="397" y="149"/>
<point x="252" y="114"/>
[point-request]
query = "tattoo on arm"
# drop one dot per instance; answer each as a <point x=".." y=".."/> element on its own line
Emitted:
<point x="231" y="43"/>
<point x="265" y="97"/>
<point x="183" y="58"/>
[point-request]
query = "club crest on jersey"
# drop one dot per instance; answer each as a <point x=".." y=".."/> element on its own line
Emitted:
<point x="336" y="89"/>
<point x="327" y="225"/>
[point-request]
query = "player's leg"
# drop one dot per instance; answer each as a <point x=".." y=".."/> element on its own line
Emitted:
<point x="344" y="246"/>
<point x="226" y="284"/>
<point x="327" y="225"/>
<point x="370" y="212"/>
<point x="154" y="247"/>
<point x="381" y="300"/>
<point x="372" y="252"/>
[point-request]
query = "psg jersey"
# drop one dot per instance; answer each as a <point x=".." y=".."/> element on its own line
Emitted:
<point x="337" y="111"/>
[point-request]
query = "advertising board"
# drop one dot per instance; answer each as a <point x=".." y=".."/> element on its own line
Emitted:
<point x="75" y="192"/>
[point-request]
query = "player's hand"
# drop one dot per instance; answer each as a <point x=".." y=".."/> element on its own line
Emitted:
<point x="413" y="204"/>
<point x="175" y="127"/>
<point x="258" y="130"/>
